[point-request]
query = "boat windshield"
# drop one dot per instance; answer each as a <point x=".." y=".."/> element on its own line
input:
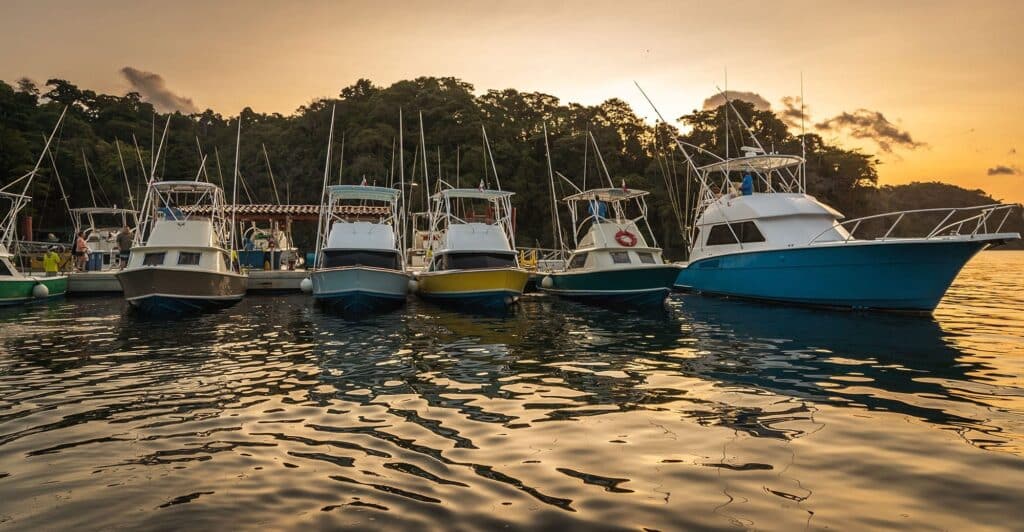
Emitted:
<point x="475" y="260"/>
<point x="338" y="258"/>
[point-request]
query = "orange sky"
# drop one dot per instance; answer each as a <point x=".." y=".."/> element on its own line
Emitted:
<point x="951" y="74"/>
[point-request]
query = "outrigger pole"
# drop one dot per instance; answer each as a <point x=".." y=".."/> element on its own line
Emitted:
<point x="124" y="172"/>
<point x="19" y="202"/>
<point x="401" y="188"/>
<point x="323" y="192"/>
<point x="234" y="185"/>
<point x="556" y="223"/>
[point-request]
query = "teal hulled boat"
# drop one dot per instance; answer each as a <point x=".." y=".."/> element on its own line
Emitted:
<point x="612" y="265"/>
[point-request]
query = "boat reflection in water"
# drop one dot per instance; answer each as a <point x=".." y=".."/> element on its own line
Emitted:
<point x="708" y="414"/>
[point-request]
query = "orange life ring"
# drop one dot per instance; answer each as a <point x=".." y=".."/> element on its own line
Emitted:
<point x="625" y="238"/>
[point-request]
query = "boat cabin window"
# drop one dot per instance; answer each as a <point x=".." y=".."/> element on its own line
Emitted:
<point x="620" y="257"/>
<point x="745" y="231"/>
<point x="647" y="258"/>
<point x="338" y="258"/>
<point x="578" y="261"/>
<point x="5" y="271"/>
<point x="153" y="259"/>
<point x="469" y="261"/>
<point x="188" y="259"/>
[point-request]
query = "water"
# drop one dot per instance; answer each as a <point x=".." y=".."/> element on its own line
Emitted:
<point x="713" y="414"/>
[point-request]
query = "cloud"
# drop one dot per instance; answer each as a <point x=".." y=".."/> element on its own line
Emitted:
<point x="153" y="88"/>
<point x="1000" y="169"/>
<point x="791" y="112"/>
<point x="871" y="125"/>
<point x="760" y="103"/>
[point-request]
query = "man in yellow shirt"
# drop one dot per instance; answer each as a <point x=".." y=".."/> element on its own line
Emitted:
<point x="51" y="262"/>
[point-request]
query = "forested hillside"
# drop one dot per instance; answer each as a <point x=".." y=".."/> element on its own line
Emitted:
<point x="366" y="133"/>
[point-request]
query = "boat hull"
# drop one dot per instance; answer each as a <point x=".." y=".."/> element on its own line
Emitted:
<point x="887" y="275"/>
<point x="94" y="282"/>
<point x="489" y="289"/>
<point x="18" y="290"/>
<point x="165" y="290"/>
<point x="360" y="290"/>
<point x="635" y="287"/>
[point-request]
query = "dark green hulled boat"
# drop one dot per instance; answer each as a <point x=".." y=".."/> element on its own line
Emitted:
<point x="612" y="264"/>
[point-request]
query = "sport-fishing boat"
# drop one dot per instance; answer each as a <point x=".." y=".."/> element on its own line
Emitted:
<point x="185" y="262"/>
<point x="759" y="235"/>
<point x="16" y="287"/>
<point x="472" y="257"/>
<point x="101" y="225"/>
<point x="360" y="267"/>
<point x="612" y="263"/>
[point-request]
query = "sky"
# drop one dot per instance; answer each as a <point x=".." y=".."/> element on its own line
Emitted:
<point x="934" y="89"/>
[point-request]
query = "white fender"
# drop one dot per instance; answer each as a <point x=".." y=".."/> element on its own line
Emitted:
<point x="40" y="291"/>
<point x="306" y="285"/>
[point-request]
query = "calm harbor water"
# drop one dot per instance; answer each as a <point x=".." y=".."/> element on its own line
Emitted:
<point x="711" y="414"/>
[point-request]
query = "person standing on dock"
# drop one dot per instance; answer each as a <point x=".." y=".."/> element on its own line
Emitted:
<point x="80" y="251"/>
<point x="124" y="245"/>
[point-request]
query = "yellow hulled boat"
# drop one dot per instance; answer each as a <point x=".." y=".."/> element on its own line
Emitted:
<point x="473" y="260"/>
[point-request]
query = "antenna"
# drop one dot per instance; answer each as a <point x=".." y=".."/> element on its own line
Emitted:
<point x="487" y="143"/>
<point x="726" y="94"/>
<point x="423" y="151"/>
<point x="341" y="160"/>
<point x="803" y="139"/>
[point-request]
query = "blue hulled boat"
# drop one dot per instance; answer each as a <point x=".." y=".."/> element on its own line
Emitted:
<point x="762" y="237"/>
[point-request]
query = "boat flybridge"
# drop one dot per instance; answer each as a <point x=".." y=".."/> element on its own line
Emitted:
<point x="184" y="263"/>
<point x="759" y="235"/>
<point x="360" y="267"/>
<point x="471" y="253"/>
<point x="613" y="263"/>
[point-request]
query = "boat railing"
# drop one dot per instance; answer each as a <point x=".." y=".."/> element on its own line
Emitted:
<point x="972" y="221"/>
<point x="541" y="259"/>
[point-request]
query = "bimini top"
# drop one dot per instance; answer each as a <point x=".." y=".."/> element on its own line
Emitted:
<point x="753" y="163"/>
<point x="473" y="193"/>
<point x="606" y="194"/>
<point x="184" y="186"/>
<point x="363" y="192"/>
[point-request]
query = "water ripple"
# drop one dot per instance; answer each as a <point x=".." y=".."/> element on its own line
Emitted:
<point x="708" y="414"/>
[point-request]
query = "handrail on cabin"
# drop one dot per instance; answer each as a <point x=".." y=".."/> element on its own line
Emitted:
<point x="942" y="228"/>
